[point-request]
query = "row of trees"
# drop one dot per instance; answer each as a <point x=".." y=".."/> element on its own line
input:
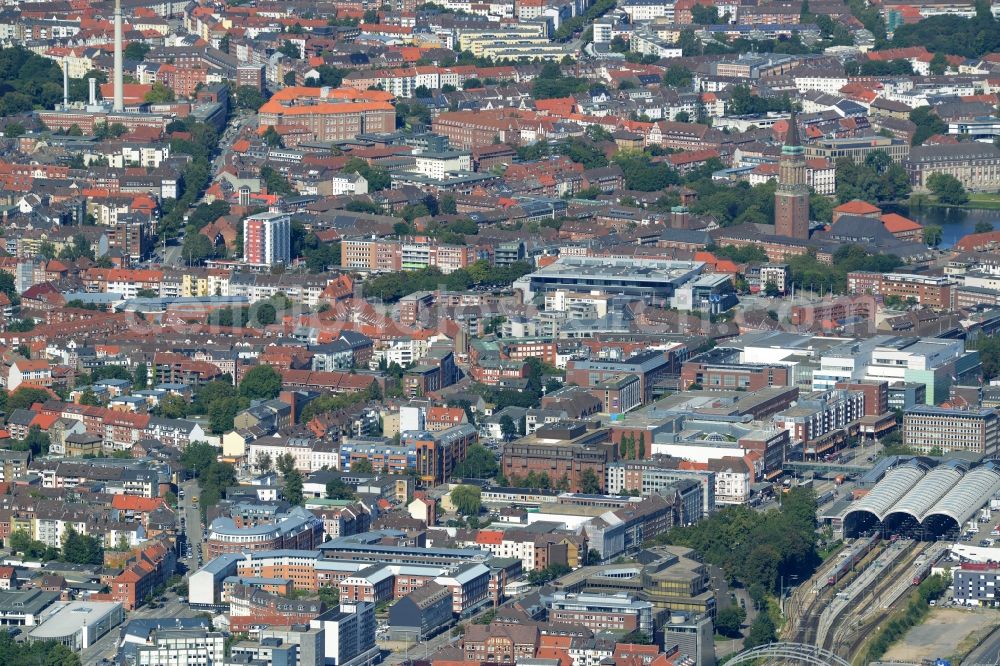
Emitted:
<point x="196" y="174"/>
<point x="589" y="483"/>
<point x="35" y="653"/>
<point x="76" y="548"/>
<point x="807" y="272"/>
<point x="213" y="476"/>
<point x="258" y="315"/>
<point x="631" y="447"/>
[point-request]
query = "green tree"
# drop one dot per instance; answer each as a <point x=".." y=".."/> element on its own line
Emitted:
<point x="678" y="76"/>
<point x="81" y="548"/>
<point x="467" y="500"/>
<point x="263" y="463"/>
<point x="9" y="288"/>
<point x="589" y="483"/>
<point x="272" y="138"/>
<point x="24" y="397"/>
<point x="159" y="94"/>
<point x="141" y="378"/>
<point x="479" y="463"/>
<point x="754" y="547"/>
<point x="551" y="572"/>
<point x="36" y="441"/>
<point x="35" y="652"/>
<point x="642" y="174"/>
<point x="19" y="541"/>
<point x="292" y="491"/>
<point x="172" y="406"/>
<point x="983" y="227"/>
<point x="136" y="51"/>
<point x="285" y="464"/>
<point x="761" y="632"/>
<point x="221" y="414"/>
<point x="378" y="178"/>
<point x="508" y="428"/>
<point x="197" y="248"/>
<point x="275" y="182"/>
<point x="947" y="189"/>
<point x="261" y="383"/>
<point x="361" y="466"/>
<point x="933" y="235"/>
<point x="337" y="489"/>
<point x="877" y="179"/>
<point x="249" y="97"/>
<point x="551" y="83"/>
<point x="928" y="124"/>
<point x="938" y="64"/>
<point x="197" y="457"/>
<point x="729" y="620"/>
<point x="210" y="393"/>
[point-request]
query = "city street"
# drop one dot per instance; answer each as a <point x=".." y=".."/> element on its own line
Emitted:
<point x="172" y="606"/>
<point x="192" y="524"/>
<point x="421" y="649"/>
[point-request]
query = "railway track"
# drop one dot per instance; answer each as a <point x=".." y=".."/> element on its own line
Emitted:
<point x="808" y="625"/>
<point x="806" y="603"/>
<point x="867" y="579"/>
<point x="852" y="630"/>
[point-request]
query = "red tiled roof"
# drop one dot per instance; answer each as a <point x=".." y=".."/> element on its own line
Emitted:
<point x="894" y="223"/>
<point x="487" y="537"/>
<point x="135" y="503"/>
<point x="44" y="421"/>
<point x="857" y="207"/>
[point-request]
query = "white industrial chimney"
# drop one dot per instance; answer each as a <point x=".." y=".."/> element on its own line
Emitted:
<point x="119" y="104"/>
<point x="65" y="85"/>
<point x="92" y="82"/>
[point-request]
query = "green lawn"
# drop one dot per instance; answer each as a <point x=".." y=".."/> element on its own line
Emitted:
<point x="983" y="201"/>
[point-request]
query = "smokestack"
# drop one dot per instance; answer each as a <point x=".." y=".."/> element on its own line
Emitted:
<point x="93" y="90"/>
<point x="119" y="104"/>
<point x="65" y="84"/>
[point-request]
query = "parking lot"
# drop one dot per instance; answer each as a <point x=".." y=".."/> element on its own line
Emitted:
<point x="985" y="533"/>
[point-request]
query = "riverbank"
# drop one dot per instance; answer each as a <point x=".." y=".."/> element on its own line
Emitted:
<point x="977" y="201"/>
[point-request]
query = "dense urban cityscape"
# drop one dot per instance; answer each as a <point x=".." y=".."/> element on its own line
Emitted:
<point x="502" y="333"/>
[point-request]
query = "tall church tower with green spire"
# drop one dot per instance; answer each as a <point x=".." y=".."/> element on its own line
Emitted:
<point x="791" y="199"/>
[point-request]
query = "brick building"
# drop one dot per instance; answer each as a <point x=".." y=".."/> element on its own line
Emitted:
<point x="720" y="369"/>
<point x="934" y="291"/>
<point x="328" y="115"/>
<point x="562" y="449"/>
